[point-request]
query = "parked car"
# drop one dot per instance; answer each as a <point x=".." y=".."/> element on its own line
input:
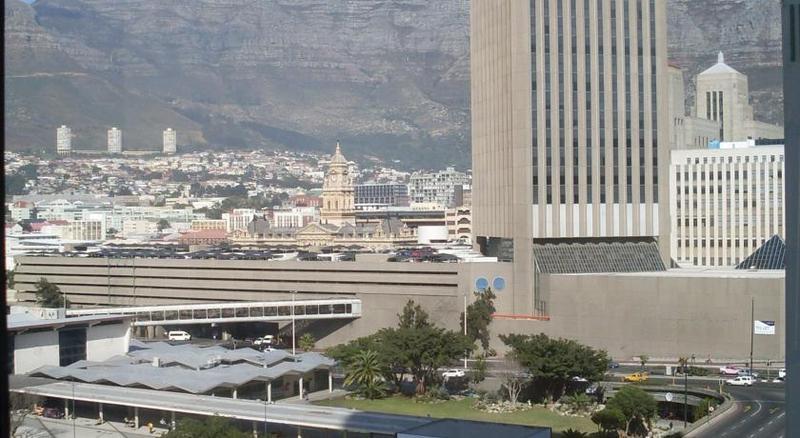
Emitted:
<point x="179" y="335"/>
<point x="746" y="372"/>
<point x="453" y="373"/>
<point x="266" y="340"/>
<point x="782" y="373"/>
<point x="637" y="377"/>
<point x="729" y="370"/>
<point x="579" y="379"/>
<point x="53" y="413"/>
<point x="741" y="381"/>
<point x="779" y="379"/>
<point x="612" y="365"/>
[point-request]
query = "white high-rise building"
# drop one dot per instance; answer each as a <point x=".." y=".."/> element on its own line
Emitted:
<point x="725" y="203"/>
<point x="63" y="140"/>
<point x="114" y="141"/>
<point x="170" y="141"/>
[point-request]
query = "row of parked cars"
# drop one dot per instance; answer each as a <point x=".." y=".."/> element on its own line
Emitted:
<point x="745" y="376"/>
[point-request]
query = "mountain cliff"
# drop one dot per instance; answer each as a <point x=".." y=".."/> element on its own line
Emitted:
<point x="390" y="78"/>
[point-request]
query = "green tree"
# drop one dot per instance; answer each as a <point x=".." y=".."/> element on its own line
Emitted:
<point x="413" y="316"/>
<point x="211" y="427"/>
<point x="163" y="224"/>
<point x="635" y="404"/>
<point x="609" y="419"/>
<point x="9" y="279"/>
<point x="479" y="316"/>
<point x="703" y="408"/>
<point x="554" y="362"/>
<point x="49" y="295"/>
<point x="479" y="369"/>
<point x="365" y="373"/>
<point x="307" y="342"/>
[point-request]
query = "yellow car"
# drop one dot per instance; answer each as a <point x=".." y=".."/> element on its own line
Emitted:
<point x="637" y="377"/>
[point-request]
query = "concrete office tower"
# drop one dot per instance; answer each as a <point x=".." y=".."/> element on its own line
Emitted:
<point x="114" y="141"/>
<point x="568" y="125"/>
<point x="725" y="203"/>
<point x="63" y="140"/>
<point x="723" y="96"/>
<point x="170" y="141"/>
<point x="791" y="94"/>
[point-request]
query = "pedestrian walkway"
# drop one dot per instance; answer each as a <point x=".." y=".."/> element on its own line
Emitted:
<point x="316" y="396"/>
<point x="41" y="427"/>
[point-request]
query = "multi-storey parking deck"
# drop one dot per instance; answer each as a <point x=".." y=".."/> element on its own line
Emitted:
<point x="266" y="311"/>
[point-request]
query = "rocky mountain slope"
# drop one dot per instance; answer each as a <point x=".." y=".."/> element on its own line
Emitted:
<point x="390" y="78"/>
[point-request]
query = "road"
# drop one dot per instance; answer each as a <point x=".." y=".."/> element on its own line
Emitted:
<point x="760" y="412"/>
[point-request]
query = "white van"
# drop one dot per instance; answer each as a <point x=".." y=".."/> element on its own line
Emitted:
<point x="264" y="340"/>
<point x="179" y="335"/>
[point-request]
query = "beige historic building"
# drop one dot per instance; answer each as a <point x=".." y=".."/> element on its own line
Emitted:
<point x="338" y="200"/>
<point x="569" y="125"/>
<point x="723" y="96"/>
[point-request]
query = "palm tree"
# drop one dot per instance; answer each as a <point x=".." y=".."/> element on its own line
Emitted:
<point x="684" y="362"/>
<point x="307" y="342"/>
<point x="366" y="373"/>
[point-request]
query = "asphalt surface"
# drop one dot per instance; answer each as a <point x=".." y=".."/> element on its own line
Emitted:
<point x="759" y="412"/>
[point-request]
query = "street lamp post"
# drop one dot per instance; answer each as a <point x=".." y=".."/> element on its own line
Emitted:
<point x="685" y="398"/>
<point x="293" y="333"/>
<point x="465" y="330"/>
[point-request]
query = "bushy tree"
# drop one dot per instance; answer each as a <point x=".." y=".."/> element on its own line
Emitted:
<point x="211" y="427"/>
<point x="572" y="433"/>
<point x="163" y="224"/>
<point x="479" y="316"/>
<point x="416" y="347"/>
<point x="609" y="419"/>
<point x="635" y="404"/>
<point x="49" y="295"/>
<point x="554" y="362"/>
<point x="479" y="369"/>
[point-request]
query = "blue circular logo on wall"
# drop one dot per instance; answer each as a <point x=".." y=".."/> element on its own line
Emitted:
<point x="481" y="283"/>
<point x="499" y="283"/>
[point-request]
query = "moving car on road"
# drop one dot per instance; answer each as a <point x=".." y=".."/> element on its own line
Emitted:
<point x="453" y="373"/>
<point x="729" y="370"/>
<point x="637" y="377"/>
<point x="746" y="372"/>
<point x="741" y="381"/>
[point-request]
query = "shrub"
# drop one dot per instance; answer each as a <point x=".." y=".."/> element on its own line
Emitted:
<point x="571" y="433"/>
<point x="578" y="402"/>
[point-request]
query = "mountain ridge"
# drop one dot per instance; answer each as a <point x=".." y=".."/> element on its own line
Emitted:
<point x="389" y="78"/>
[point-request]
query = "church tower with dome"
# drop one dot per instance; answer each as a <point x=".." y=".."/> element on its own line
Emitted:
<point x="338" y="200"/>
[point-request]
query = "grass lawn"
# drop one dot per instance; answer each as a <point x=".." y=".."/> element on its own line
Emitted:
<point x="463" y="409"/>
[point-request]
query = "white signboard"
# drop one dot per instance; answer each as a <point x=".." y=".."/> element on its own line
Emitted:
<point x="764" y="327"/>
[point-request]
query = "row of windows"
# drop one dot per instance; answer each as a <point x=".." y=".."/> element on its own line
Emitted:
<point x="736" y="159"/>
<point x="717" y="243"/>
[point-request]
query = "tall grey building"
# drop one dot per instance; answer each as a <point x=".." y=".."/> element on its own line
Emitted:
<point x="63" y="140"/>
<point x="170" y="141"/>
<point x="791" y="98"/>
<point x="114" y="141"/>
<point x="569" y="123"/>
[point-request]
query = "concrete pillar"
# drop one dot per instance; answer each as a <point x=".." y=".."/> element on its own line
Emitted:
<point x="172" y="421"/>
<point x="235" y="393"/>
<point x="255" y="430"/>
<point x="100" y="413"/>
<point x="136" y="417"/>
<point x="66" y="408"/>
<point x="301" y="387"/>
<point x="269" y="392"/>
<point x="151" y="332"/>
<point x="330" y="381"/>
<point x="299" y="432"/>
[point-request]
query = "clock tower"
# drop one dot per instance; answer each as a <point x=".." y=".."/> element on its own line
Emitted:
<point x="337" y="192"/>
